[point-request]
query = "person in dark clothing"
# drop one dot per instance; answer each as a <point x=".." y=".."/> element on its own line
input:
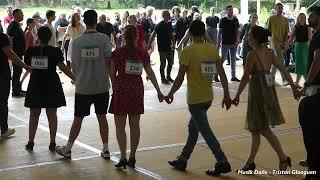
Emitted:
<point x="105" y="27"/>
<point x="181" y="27"/>
<point x="17" y="40"/>
<point x="165" y="39"/>
<point x="309" y="106"/>
<point x="146" y="25"/>
<point x="194" y="9"/>
<point x="212" y="24"/>
<point x="6" y="53"/>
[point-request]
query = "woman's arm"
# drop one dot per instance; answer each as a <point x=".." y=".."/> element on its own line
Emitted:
<point x="154" y="81"/>
<point x="66" y="70"/>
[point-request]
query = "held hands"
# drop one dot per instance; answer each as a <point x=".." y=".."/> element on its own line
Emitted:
<point x="161" y="97"/>
<point x="169" y="98"/>
<point x="226" y="102"/>
<point x="296" y="93"/>
<point x="236" y="100"/>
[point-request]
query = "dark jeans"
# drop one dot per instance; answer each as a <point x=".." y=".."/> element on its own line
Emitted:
<point x="16" y="84"/>
<point x="288" y="55"/>
<point x="310" y="124"/>
<point x="199" y="123"/>
<point x="66" y="46"/>
<point x="164" y="57"/>
<point x="4" y="95"/>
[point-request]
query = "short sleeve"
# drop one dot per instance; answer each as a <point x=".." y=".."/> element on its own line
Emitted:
<point x="28" y="56"/>
<point x="10" y="30"/>
<point x="184" y="58"/>
<point x="59" y="55"/>
<point x="4" y="41"/>
<point x="157" y="29"/>
<point x="237" y="23"/>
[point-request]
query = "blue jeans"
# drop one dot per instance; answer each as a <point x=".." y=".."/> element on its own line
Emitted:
<point x="213" y="35"/>
<point x="224" y="52"/>
<point x="199" y="123"/>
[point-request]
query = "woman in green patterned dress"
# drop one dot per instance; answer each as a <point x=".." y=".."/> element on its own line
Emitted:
<point x="263" y="108"/>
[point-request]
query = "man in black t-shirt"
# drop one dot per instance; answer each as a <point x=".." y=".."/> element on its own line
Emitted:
<point x="229" y="38"/>
<point x="105" y="27"/>
<point x="309" y="106"/>
<point x="5" y="76"/>
<point x="17" y="40"/>
<point x="212" y="24"/>
<point x="165" y="40"/>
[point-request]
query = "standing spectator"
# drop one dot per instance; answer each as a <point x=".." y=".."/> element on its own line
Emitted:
<point x="279" y="27"/>
<point x="51" y="16"/>
<point x="164" y="33"/>
<point x="228" y="39"/>
<point x="212" y="24"/>
<point x="263" y="106"/>
<point x="9" y="18"/>
<point x="90" y="62"/>
<point x="181" y="27"/>
<point x="6" y="53"/>
<point x="74" y="30"/>
<point x="302" y="35"/>
<point x="60" y="27"/>
<point x="175" y="15"/>
<point x="1" y="28"/>
<point x="124" y="21"/>
<point x="194" y="9"/>
<point x="37" y="20"/>
<point x="146" y="25"/>
<point x="31" y="38"/>
<point x="132" y="20"/>
<point x="117" y="28"/>
<point x="197" y="62"/>
<point x="253" y="20"/>
<point x="309" y="106"/>
<point x="18" y="43"/>
<point x="105" y="27"/>
<point x="127" y="84"/>
<point x="44" y="88"/>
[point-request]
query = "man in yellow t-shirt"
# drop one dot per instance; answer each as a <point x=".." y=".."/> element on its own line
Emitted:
<point x="279" y="27"/>
<point x="200" y="61"/>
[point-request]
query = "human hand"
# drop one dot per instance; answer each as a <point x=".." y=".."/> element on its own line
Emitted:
<point x="160" y="97"/>
<point x="226" y="102"/>
<point x="297" y="94"/>
<point x="235" y="101"/>
<point x="169" y="98"/>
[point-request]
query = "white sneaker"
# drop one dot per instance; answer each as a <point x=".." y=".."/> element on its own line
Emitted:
<point x="8" y="133"/>
<point x="105" y="154"/>
<point x="62" y="150"/>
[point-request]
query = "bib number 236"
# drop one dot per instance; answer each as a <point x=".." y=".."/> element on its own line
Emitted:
<point x="134" y="67"/>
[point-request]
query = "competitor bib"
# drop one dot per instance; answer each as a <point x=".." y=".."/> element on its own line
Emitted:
<point x="90" y="53"/>
<point x="39" y="62"/>
<point x="269" y="79"/>
<point x="208" y="68"/>
<point x="134" y="67"/>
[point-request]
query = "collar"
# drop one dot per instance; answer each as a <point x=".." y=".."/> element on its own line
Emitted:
<point x="90" y="31"/>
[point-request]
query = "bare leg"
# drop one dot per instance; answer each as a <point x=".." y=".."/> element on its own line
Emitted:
<point x="134" y="122"/>
<point x="120" y="122"/>
<point x="275" y="143"/>
<point x="33" y="123"/>
<point x="104" y="129"/>
<point x="53" y="122"/>
<point x="255" y="144"/>
<point x="75" y="129"/>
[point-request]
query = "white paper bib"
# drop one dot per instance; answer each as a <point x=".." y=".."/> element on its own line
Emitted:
<point x="134" y="67"/>
<point x="90" y="53"/>
<point x="208" y="68"/>
<point x="39" y="62"/>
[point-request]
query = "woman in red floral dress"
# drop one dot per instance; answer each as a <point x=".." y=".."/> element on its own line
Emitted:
<point x="126" y="68"/>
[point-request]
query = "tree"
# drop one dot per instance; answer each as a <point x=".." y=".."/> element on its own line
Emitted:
<point x="109" y="4"/>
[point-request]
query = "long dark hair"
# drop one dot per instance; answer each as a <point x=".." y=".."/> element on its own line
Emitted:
<point x="260" y="34"/>
<point x="130" y="37"/>
<point x="298" y="23"/>
<point x="73" y="19"/>
<point x="29" y="21"/>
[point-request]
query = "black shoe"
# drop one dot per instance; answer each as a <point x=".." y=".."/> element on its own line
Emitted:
<point x="170" y="80"/>
<point x="228" y="64"/>
<point x="178" y="163"/>
<point x="235" y="79"/>
<point x="29" y="146"/>
<point x="303" y="163"/>
<point x="164" y="81"/>
<point x="122" y="163"/>
<point x="248" y="167"/>
<point x="131" y="162"/>
<point x="283" y="165"/>
<point x="216" y="79"/>
<point x="220" y="168"/>
<point x="52" y="147"/>
<point x="23" y="92"/>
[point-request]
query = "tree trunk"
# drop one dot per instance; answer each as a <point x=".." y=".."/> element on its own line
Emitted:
<point x="17" y="3"/>
<point x="258" y="7"/>
<point x="298" y="6"/>
<point x="109" y="4"/>
<point x="32" y="2"/>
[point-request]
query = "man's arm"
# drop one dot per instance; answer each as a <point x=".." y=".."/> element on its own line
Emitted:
<point x="153" y="35"/>
<point x="14" y="58"/>
<point x="177" y="82"/>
